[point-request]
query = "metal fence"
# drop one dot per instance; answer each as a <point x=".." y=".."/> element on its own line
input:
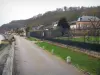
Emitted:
<point x="88" y="35"/>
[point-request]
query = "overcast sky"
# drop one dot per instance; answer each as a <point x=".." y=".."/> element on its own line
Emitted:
<point x="24" y="9"/>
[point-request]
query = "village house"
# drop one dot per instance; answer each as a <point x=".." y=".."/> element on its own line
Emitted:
<point x="72" y="25"/>
<point x="86" y="22"/>
<point x="36" y="28"/>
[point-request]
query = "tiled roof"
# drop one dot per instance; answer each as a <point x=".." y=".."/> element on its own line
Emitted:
<point x="88" y="18"/>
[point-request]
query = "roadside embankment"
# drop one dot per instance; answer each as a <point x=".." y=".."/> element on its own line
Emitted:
<point x="8" y="68"/>
<point x="3" y="57"/>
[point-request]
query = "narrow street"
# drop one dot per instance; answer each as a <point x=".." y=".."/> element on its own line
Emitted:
<point x="32" y="60"/>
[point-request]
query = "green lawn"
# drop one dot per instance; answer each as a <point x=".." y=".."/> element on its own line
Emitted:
<point x="81" y="39"/>
<point x="82" y="60"/>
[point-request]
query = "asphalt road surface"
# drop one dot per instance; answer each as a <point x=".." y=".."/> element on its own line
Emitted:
<point x="32" y="60"/>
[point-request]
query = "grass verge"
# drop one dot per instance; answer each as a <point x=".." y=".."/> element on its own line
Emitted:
<point x="83" y="61"/>
<point x="81" y="39"/>
<point x="32" y="39"/>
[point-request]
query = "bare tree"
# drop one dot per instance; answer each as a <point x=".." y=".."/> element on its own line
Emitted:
<point x="65" y="8"/>
<point x="95" y="27"/>
<point x="27" y="31"/>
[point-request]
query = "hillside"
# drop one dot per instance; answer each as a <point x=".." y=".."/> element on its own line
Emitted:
<point x="71" y="13"/>
<point x="14" y="24"/>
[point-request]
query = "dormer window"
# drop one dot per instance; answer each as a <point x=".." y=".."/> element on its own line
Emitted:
<point x="81" y="19"/>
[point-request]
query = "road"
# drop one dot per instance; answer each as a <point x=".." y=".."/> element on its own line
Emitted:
<point x="32" y="60"/>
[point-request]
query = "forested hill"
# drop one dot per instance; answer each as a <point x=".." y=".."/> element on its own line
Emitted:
<point x="15" y="24"/>
<point x="71" y="13"/>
